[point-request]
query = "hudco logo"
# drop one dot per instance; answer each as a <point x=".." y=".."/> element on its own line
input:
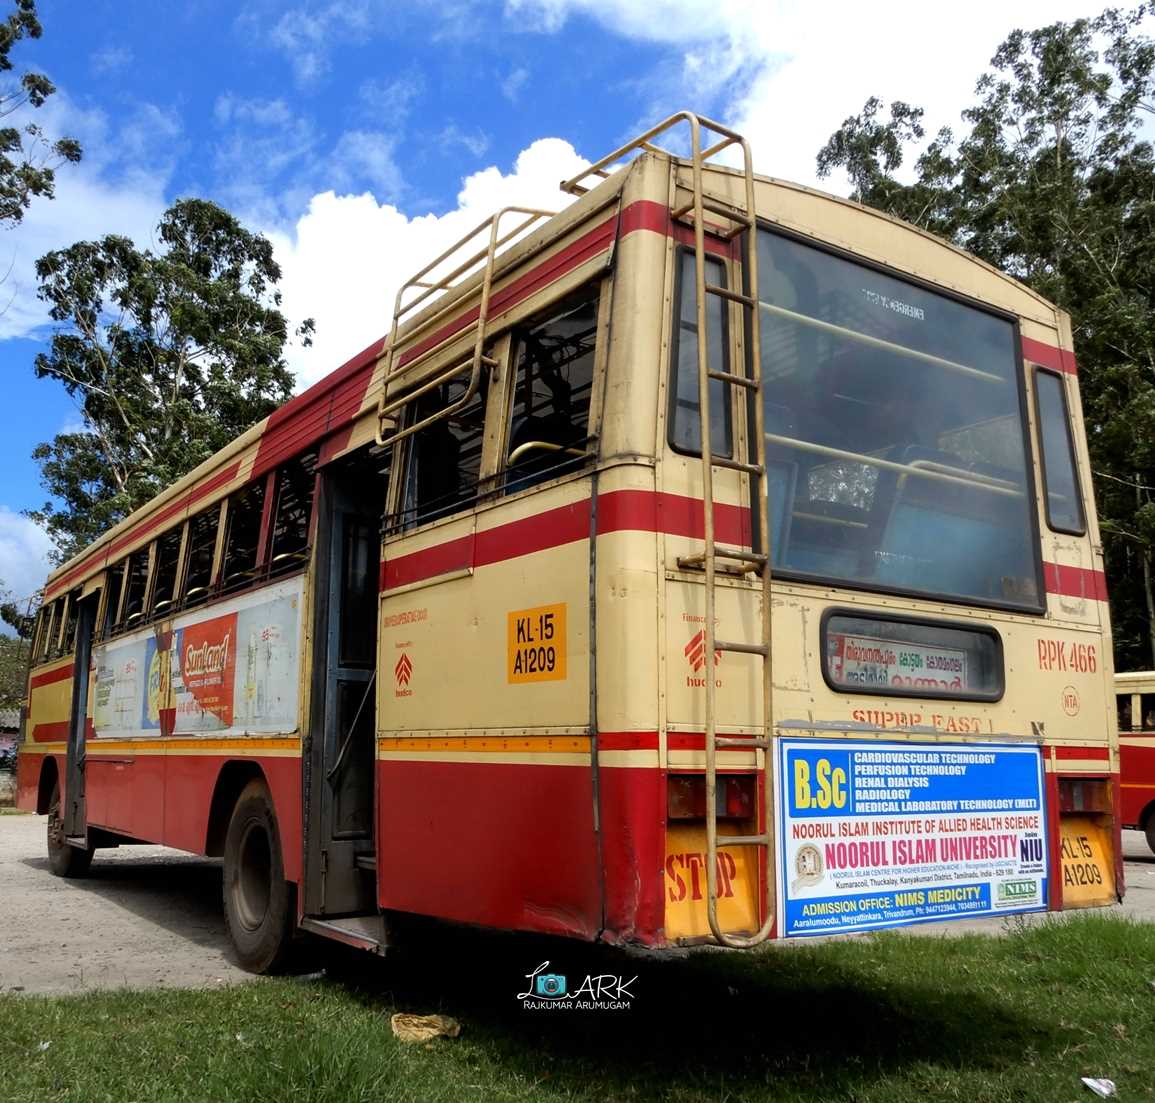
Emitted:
<point x="403" y="671"/>
<point x="696" y="656"/>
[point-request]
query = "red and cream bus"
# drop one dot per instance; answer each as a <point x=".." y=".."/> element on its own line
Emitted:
<point x="1135" y="700"/>
<point x="715" y="559"/>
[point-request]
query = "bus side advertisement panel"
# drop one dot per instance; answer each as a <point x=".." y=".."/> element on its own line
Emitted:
<point x="876" y="834"/>
<point x="229" y="670"/>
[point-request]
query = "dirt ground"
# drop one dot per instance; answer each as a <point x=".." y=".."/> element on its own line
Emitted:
<point x="149" y="917"/>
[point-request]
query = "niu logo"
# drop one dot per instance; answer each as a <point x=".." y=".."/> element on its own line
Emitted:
<point x="403" y="671"/>
<point x="696" y="652"/>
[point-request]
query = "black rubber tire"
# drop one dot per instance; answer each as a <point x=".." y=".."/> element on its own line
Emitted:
<point x="65" y="860"/>
<point x="258" y="899"/>
<point x="1149" y="830"/>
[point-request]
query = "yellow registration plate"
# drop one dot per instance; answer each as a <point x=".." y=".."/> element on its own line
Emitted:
<point x="685" y="885"/>
<point x="1087" y="861"/>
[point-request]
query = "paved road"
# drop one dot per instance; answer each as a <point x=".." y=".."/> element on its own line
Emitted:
<point x="147" y="916"/>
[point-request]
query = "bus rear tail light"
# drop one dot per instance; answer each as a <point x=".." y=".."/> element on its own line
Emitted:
<point x="1084" y="794"/>
<point x="734" y="796"/>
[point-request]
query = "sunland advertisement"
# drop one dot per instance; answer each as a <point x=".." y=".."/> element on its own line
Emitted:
<point x="869" y="661"/>
<point x="885" y="834"/>
<point x="231" y="669"/>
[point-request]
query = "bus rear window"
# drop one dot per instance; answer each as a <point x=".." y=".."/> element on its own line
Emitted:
<point x="895" y="453"/>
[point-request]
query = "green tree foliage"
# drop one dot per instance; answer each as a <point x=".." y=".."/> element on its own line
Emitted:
<point x="13" y="671"/>
<point x="168" y="354"/>
<point x="28" y="158"/>
<point x="1054" y="183"/>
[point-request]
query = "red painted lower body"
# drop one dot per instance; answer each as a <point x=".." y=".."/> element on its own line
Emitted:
<point x="167" y="798"/>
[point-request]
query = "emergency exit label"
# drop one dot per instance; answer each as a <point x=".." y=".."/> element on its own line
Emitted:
<point x="536" y="644"/>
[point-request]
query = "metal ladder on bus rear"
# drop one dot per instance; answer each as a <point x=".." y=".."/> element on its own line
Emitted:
<point x="743" y="221"/>
<point x="390" y="404"/>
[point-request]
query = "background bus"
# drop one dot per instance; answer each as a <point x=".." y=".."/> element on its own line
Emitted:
<point x="476" y="627"/>
<point x="1135" y="699"/>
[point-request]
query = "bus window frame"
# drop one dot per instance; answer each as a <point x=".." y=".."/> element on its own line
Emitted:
<point x="979" y="628"/>
<point x="728" y="357"/>
<point x="150" y="597"/>
<point x="1030" y="486"/>
<point x="119" y="628"/>
<point x="44" y="643"/>
<point x="603" y="283"/>
<point x="1042" y="452"/>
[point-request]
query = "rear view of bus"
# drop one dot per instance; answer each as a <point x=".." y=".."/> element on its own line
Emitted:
<point x="912" y="721"/>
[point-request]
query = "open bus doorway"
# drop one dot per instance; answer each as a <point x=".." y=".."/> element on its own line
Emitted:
<point x="338" y="782"/>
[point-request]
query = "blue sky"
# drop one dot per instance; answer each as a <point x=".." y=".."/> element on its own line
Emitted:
<point x="363" y="135"/>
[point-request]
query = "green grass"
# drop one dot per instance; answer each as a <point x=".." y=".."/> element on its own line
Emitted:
<point x="884" y="1020"/>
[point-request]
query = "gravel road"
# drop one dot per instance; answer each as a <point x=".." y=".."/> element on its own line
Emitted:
<point x="149" y="917"/>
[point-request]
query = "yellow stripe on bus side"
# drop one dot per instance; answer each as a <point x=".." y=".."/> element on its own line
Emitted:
<point x="563" y="744"/>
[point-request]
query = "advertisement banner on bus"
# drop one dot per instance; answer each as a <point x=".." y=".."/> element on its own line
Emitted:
<point x="876" y="834"/>
<point x="232" y="672"/>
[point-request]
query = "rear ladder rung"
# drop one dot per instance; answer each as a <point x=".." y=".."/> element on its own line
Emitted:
<point x="741" y="741"/>
<point x="736" y="465"/>
<point x="756" y="559"/>
<point x="728" y="293"/>
<point x="718" y="207"/>
<point x="736" y="380"/>
<point x="743" y="840"/>
<point x="742" y="648"/>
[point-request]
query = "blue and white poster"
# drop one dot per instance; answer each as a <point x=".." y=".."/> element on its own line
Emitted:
<point x="878" y="835"/>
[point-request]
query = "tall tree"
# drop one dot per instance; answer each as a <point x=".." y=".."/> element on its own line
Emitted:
<point x="1054" y="182"/>
<point x="28" y="158"/>
<point x="168" y="354"/>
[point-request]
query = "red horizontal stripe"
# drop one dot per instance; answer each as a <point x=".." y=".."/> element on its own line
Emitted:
<point x="50" y="733"/>
<point x="1049" y="356"/>
<point x="1075" y="581"/>
<point x="618" y="511"/>
<point x="655" y="218"/>
<point x="60" y="674"/>
<point x="1066" y="754"/>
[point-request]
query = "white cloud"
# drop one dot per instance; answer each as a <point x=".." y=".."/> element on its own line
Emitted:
<point x="511" y="86"/>
<point x="348" y="254"/>
<point x="111" y="59"/>
<point x="474" y="142"/>
<point x="785" y="75"/>
<point x="24" y="551"/>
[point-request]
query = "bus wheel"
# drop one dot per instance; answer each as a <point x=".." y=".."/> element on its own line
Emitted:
<point x="1149" y="830"/>
<point x="65" y="860"/>
<point x="258" y="903"/>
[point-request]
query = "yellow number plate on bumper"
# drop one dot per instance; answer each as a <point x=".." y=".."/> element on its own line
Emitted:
<point x="685" y="885"/>
<point x="1088" y="863"/>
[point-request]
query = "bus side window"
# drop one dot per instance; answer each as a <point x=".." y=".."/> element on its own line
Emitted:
<point x="68" y="640"/>
<point x="167" y="566"/>
<point x="1146" y="718"/>
<point x="135" y="587"/>
<point x="444" y="459"/>
<point x="52" y="650"/>
<point x="44" y="644"/>
<point x="1060" y="483"/>
<point x="242" y="536"/>
<point x="201" y="549"/>
<point x="112" y="602"/>
<point x="685" y="425"/>
<point x="292" y="512"/>
<point x="1123" y="701"/>
<point x="552" y="383"/>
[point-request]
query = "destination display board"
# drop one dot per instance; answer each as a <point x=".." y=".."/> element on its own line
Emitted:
<point x="874" y="834"/>
<point x="871" y="661"/>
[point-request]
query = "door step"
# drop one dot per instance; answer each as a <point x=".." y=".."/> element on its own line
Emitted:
<point x="365" y="861"/>
<point x="365" y="932"/>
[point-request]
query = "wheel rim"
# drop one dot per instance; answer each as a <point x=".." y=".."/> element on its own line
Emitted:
<point x="253" y="887"/>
